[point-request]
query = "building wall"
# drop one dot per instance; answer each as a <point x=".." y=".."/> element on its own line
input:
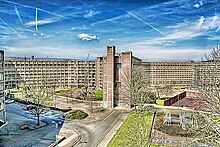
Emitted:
<point x="117" y="75"/>
<point x="170" y="73"/>
<point x="109" y="80"/>
<point x="206" y="72"/>
<point x="99" y="72"/>
<point x="123" y="85"/>
<point x="108" y="73"/>
<point x="69" y="73"/>
<point x="2" y="87"/>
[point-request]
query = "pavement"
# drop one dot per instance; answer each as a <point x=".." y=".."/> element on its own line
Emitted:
<point x="113" y="130"/>
<point x="89" y="133"/>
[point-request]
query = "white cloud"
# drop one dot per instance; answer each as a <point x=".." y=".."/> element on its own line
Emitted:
<point x="214" y="38"/>
<point x="111" y="39"/>
<point x="83" y="27"/>
<point x="90" y="14"/>
<point x="196" y="5"/>
<point x="201" y="21"/>
<point x="209" y="23"/>
<point x="110" y="19"/>
<point x="183" y="31"/>
<point x="87" y="37"/>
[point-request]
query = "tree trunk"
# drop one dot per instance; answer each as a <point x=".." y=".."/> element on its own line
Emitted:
<point x="38" y="119"/>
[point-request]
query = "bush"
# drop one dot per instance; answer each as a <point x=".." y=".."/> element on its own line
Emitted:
<point x="98" y="94"/>
<point x="77" y="114"/>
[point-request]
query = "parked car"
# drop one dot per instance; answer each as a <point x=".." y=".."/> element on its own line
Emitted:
<point x="9" y="101"/>
<point x="24" y="127"/>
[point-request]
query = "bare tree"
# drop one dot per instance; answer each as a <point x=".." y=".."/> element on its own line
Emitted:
<point x="204" y="131"/>
<point x="207" y="124"/>
<point x="167" y="90"/>
<point x="209" y="81"/>
<point x="23" y="90"/>
<point x="41" y="97"/>
<point x="135" y="90"/>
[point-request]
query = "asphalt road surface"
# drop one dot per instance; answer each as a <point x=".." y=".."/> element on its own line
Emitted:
<point x="92" y="133"/>
<point x="11" y="134"/>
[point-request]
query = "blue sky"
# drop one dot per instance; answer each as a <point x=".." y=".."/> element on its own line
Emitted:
<point x="154" y="30"/>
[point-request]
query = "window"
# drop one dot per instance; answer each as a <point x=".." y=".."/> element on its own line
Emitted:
<point x="1" y="76"/>
<point x="117" y="84"/>
<point x="118" y="65"/>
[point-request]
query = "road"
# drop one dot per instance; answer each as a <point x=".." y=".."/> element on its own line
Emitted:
<point x="93" y="132"/>
<point x="12" y="135"/>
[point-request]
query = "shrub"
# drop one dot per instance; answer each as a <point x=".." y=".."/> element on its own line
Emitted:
<point x="98" y="94"/>
<point x="77" y="114"/>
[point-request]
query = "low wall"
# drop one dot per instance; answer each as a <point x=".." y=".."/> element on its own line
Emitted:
<point x="175" y="99"/>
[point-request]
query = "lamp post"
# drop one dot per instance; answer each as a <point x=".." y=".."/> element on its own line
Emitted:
<point x="56" y="124"/>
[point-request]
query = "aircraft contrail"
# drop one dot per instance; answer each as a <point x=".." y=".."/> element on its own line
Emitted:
<point x="36" y="21"/>
<point x="138" y="18"/>
<point x="18" y="14"/>
<point x="10" y="27"/>
<point x="27" y="6"/>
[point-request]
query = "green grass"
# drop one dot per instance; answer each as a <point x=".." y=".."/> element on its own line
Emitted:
<point x="60" y="94"/>
<point x="18" y="96"/>
<point x="121" y="136"/>
<point x="63" y="89"/>
<point x="98" y="94"/>
<point x="215" y="120"/>
<point x="160" y="102"/>
<point x="14" y="90"/>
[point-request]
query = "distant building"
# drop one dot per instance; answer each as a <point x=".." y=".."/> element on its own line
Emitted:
<point x="170" y="73"/>
<point x="118" y="67"/>
<point x="63" y="73"/>
<point x="99" y="72"/>
<point x="105" y="73"/>
<point x="2" y="88"/>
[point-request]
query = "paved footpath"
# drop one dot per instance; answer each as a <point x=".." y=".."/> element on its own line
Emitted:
<point x="113" y="130"/>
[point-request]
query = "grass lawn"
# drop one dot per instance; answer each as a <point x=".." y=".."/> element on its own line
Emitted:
<point x="122" y="135"/>
<point x="14" y="90"/>
<point x="18" y="96"/>
<point x="160" y="102"/>
<point x="215" y="120"/>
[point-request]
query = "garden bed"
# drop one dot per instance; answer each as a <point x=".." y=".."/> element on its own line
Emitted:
<point x="76" y="114"/>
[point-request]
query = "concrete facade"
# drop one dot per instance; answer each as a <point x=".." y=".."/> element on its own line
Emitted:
<point x="99" y="72"/>
<point x="63" y="73"/>
<point x="117" y="68"/>
<point x="117" y="75"/>
<point x="2" y="88"/>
